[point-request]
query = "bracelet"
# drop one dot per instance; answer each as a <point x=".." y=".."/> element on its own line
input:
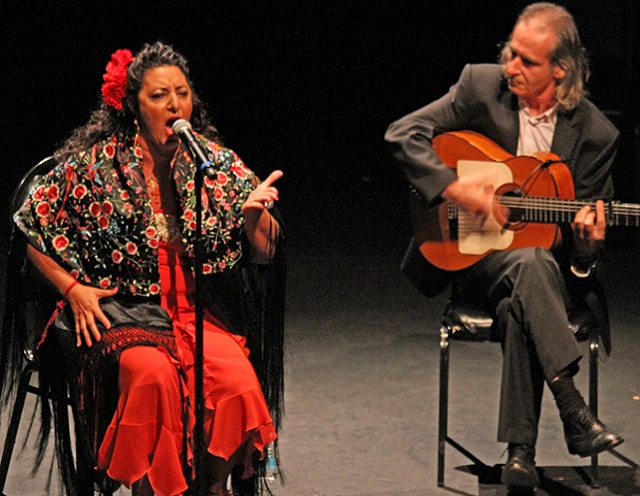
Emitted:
<point x="71" y="286"/>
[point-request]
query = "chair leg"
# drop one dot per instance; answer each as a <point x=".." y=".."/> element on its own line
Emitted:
<point x="594" y="345"/>
<point x="444" y="401"/>
<point x="14" y="424"/>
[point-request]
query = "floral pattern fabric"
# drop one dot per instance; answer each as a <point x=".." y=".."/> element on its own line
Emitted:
<point x="92" y="214"/>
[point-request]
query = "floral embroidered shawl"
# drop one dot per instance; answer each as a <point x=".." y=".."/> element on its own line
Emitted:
<point x="92" y="215"/>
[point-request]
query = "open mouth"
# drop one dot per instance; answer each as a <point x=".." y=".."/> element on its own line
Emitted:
<point x="169" y="125"/>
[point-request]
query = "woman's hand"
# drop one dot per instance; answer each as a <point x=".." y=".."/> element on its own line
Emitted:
<point x="261" y="229"/>
<point x="85" y="304"/>
<point x="264" y="194"/>
<point x="84" y="300"/>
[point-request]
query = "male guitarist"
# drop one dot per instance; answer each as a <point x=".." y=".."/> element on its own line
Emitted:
<point x="533" y="100"/>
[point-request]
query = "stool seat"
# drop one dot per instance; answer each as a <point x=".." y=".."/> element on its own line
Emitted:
<point x="467" y="322"/>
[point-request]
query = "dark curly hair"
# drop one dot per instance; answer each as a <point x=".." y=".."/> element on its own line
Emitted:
<point x="106" y="121"/>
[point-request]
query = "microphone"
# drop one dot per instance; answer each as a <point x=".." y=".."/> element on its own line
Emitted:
<point x="182" y="129"/>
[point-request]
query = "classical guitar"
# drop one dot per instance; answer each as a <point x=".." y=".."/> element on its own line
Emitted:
<point x="533" y="195"/>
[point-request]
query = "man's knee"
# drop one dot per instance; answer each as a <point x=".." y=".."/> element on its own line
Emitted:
<point x="536" y="256"/>
<point x="537" y="265"/>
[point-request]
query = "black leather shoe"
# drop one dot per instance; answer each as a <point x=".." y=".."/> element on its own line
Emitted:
<point x="520" y="469"/>
<point x="586" y="435"/>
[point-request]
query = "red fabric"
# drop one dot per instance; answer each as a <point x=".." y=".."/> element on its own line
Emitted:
<point x="146" y="433"/>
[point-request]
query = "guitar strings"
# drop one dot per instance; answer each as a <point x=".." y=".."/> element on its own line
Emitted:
<point x="537" y="207"/>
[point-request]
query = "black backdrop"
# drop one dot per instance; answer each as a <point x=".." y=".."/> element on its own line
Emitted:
<point x="307" y="86"/>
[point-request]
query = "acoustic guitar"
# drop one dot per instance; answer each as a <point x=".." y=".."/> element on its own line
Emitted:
<point x="533" y="195"/>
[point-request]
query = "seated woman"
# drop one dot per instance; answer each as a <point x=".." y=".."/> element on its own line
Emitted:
<point x="112" y="229"/>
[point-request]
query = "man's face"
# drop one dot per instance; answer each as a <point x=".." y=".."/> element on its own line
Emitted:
<point x="530" y="73"/>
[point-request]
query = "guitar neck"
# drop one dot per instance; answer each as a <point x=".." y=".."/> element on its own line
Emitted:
<point x="555" y="211"/>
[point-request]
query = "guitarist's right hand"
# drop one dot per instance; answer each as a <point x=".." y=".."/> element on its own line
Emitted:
<point x="472" y="192"/>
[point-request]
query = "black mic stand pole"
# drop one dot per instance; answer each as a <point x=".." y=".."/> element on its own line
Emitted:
<point x="182" y="129"/>
<point x="200" y="448"/>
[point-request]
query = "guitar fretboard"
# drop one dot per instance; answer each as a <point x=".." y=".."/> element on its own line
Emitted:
<point x="553" y="211"/>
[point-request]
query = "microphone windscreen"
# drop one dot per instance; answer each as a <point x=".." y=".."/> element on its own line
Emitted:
<point x="181" y="125"/>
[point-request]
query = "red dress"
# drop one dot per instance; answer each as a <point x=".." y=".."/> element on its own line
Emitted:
<point x="146" y="434"/>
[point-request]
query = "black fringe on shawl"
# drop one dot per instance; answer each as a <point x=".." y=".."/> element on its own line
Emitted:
<point x="92" y="377"/>
<point x="23" y="315"/>
<point x="250" y="301"/>
<point x="28" y="305"/>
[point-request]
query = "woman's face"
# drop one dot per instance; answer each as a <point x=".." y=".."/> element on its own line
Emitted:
<point x="165" y="96"/>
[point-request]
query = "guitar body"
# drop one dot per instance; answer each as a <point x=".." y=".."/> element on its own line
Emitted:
<point x="449" y="239"/>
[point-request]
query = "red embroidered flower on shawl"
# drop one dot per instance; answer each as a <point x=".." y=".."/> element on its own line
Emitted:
<point x="115" y="79"/>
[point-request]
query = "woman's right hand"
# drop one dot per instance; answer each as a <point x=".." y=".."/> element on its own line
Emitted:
<point x="84" y="300"/>
<point x="85" y="304"/>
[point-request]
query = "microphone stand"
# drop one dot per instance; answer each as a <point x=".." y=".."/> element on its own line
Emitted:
<point x="182" y="129"/>
<point x="200" y="448"/>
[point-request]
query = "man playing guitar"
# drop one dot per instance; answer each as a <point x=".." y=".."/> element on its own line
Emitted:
<point x="532" y="101"/>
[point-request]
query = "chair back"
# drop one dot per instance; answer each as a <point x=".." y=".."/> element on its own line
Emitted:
<point x="24" y="186"/>
<point x="28" y="297"/>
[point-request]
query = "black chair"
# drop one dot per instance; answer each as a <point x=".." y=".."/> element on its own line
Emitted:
<point x="464" y="322"/>
<point x="28" y="300"/>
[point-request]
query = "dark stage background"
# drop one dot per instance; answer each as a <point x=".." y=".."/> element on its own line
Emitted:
<point x="308" y="87"/>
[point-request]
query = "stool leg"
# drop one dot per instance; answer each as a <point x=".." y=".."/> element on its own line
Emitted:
<point x="444" y="401"/>
<point x="14" y="424"/>
<point x="593" y="397"/>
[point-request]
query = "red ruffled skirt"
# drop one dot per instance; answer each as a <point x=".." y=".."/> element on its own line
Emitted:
<point x="146" y="434"/>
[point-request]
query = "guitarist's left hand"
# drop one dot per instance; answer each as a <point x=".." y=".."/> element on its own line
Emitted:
<point x="588" y="231"/>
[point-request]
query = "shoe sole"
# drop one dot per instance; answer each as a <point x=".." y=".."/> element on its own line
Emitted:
<point x="519" y="478"/>
<point x="585" y="453"/>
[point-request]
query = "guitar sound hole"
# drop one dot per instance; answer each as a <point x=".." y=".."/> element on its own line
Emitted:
<point x="453" y="229"/>
<point x="510" y="202"/>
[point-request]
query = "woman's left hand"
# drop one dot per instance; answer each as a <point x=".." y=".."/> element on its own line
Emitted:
<point x="263" y="196"/>
<point x="260" y="228"/>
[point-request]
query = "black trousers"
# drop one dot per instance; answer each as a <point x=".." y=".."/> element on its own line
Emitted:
<point x="525" y="290"/>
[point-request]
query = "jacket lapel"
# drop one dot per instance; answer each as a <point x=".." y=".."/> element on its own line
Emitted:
<point x="565" y="137"/>
<point x="509" y="124"/>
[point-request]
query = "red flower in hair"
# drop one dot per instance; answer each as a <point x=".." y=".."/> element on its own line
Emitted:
<point x="115" y="79"/>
